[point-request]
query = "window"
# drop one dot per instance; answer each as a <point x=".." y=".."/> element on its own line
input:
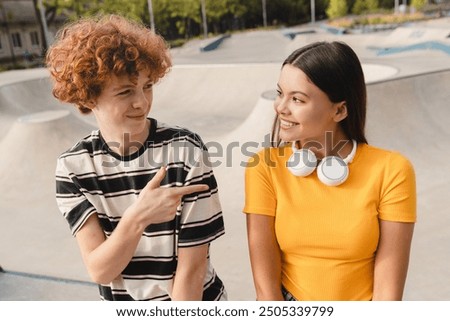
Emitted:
<point x="17" y="42"/>
<point x="34" y="38"/>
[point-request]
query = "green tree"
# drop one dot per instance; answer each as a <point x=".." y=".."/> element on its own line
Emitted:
<point x="362" y="6"/>
<point x="186" y="14"/>
<point x="176" y="19"/>
<point x="336" y="9"/>
<point x="418" y="4"/>
<point x="289" y="12"/>
<point x="221" y="13"/>
<point x="183" y="17"/>
<point x="74" y="9"/>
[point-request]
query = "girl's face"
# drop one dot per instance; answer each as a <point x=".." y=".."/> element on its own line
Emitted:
<point x="123" y="106"/>
<point x="305" y="112"/>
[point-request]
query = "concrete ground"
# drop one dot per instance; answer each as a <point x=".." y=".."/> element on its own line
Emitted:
<point x="225" y="96"/>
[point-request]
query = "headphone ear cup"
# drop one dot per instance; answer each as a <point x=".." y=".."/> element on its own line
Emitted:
<point x="332" y="171"/>
<point x="302" y="162"/>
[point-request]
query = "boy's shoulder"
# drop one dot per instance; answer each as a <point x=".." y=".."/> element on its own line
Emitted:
<point x="89" y="144"/>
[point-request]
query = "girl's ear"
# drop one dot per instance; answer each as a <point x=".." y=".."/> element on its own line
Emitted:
<point x="340" y="111"/>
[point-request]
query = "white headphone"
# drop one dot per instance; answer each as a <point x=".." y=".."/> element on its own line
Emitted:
<point x="332" y="170"/>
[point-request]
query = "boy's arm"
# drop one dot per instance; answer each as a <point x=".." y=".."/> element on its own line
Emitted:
<point x="190" y="274"/>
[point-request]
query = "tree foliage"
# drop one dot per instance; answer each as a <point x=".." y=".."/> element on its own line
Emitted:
<point x="183" y="18"/>
<point x="418" y="4"/>
<point x="74" y="9"/>
<point x="337" y="8"/>
<point x="363" y="6"/>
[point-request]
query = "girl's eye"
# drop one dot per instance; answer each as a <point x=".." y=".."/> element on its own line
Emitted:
<point x="278" y="93"/>
<point x="297" y="100"/>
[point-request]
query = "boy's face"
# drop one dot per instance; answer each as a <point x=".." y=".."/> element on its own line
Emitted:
<point x="123" y="106"/>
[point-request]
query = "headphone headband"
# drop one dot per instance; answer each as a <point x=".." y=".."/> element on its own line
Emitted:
<point x="352" y="154"/>
<point x="347" y="159"/>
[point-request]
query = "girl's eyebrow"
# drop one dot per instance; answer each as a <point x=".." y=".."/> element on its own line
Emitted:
<point x="294" y="92"/>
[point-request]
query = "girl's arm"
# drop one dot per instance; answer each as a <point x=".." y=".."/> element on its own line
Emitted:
<point x="265" y="257"/>
<point x="391" y="260"/>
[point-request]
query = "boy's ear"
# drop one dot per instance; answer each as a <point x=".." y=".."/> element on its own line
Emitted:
<point x="86" y="107"/>
<point x="340" y="111"/>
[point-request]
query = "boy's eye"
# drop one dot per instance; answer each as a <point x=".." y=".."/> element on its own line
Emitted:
<point x="148" y="86"/>
<point x="125" y="92"/>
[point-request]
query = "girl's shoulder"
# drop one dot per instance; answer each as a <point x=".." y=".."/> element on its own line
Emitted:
<point x="382" y="156"/>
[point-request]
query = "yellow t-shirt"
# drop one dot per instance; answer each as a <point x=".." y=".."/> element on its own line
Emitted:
<point x="328" y="235"/>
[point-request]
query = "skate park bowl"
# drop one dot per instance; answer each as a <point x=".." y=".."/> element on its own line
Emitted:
<point x="230" y="106"/>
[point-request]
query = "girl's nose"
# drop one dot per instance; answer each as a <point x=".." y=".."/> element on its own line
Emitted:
<point x="280" y="106"/>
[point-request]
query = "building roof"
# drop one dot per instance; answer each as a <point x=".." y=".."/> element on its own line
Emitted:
<point x="17" y="11"/>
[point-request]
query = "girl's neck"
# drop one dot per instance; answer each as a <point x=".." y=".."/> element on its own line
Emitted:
<point x="331" y="144"/>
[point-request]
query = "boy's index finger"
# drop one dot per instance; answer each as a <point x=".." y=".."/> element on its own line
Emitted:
<point x="186" y="190"/>
<point x="157" y="178"/>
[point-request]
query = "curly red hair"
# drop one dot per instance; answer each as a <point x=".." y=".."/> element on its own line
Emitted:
<point x="85" y="54"/>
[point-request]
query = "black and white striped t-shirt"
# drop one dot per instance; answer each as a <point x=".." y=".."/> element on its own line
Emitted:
<point x="92" y="179"/>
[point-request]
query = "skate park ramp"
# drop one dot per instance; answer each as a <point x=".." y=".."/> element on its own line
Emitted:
<point x="230" y="106"/>
<point x="411" y="115"/>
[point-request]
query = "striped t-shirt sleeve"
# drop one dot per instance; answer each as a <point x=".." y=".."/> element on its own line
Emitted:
<point x="72" y="203"/>
<point x="201" y="216"/>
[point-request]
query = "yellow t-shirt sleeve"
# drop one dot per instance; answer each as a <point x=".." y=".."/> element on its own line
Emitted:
<point x="260" y="197"/>
<point x="398" y="195"/>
